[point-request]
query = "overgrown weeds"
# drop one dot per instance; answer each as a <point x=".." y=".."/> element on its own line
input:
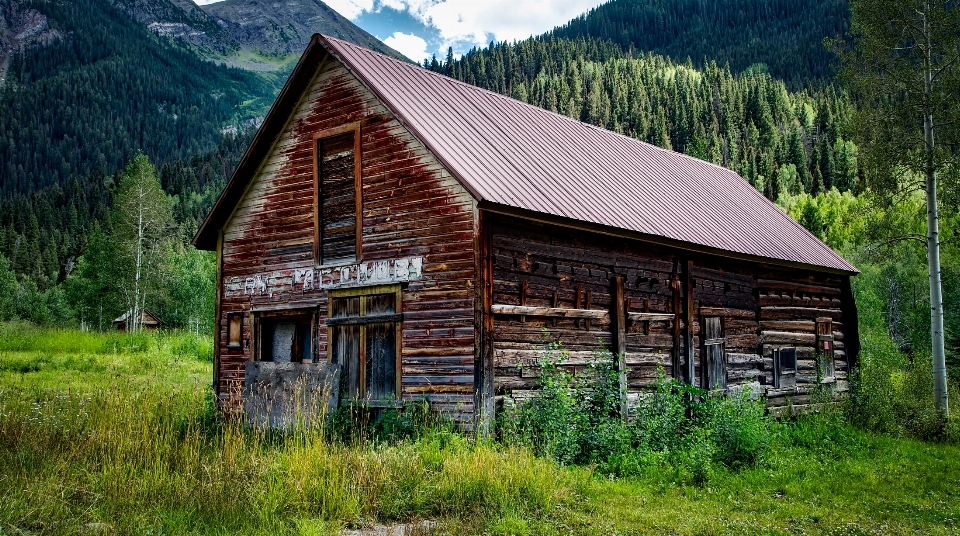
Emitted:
<point x="145" y="459"/>
<point x="578" y="420"/>
<point x="892" y="393"/>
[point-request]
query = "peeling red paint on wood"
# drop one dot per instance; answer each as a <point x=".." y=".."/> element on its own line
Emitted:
<point x="411" y="207"/>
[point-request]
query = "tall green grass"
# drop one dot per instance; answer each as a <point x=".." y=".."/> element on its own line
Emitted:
<point x="119" y="435"/>
<point x="147" y="461"/>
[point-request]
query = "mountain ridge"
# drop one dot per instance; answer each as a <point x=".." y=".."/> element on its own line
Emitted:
<point x="783" y="36"/>
<point x="235" y="31"/>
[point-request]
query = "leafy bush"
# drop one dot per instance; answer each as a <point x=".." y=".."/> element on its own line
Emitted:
<point x="740" y="429"/>
<point x="892" y="393"/>
<point x="577" y="420"/>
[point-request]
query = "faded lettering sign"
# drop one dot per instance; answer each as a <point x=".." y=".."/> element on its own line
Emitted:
<point x="383" y="272"/>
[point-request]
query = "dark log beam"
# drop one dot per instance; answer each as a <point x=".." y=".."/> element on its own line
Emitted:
<point x="558" y="312"/>
<point x="620" y="340"/>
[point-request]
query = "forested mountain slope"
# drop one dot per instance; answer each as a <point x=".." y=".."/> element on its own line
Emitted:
<point x="785" y="36"/>
<point x="781" y="141"/>
<point x="265" y="34"/>
<point x="105" y="87"/>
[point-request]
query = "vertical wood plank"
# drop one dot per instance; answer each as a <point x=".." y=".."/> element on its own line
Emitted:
<point x="523" y="297"/>
<point x="219" y="311"/>
<point x="579" y="301"/>
<point x="646" y="324"/>
<point x="619" y="324"/>
<point x="689" y="351"/>
<point x="675" y="286"/>
<point x="398" y="341"/>
<point x="485" y="409"/>
<point x="556" y="303"/>
<point x="363" y="349"/>
<point x="587" y="307"/>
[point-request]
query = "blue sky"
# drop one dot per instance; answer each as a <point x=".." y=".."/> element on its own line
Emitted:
<point x="420" y="28"/>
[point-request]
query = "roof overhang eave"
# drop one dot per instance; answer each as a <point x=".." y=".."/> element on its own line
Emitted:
<point x="572" y="223"/>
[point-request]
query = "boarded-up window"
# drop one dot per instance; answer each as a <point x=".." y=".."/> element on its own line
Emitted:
<point x="286" y="338"/>
<point x="713" y="362"/>
<point x="337" y="194"/>
<point x="234" y="329"/>
<point x="825" y="350"/>
<point x="785" y="368"/>
<point x="365" y="342"/>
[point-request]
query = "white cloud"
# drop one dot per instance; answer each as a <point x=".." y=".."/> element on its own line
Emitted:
<point x="350" y="9"/>
<point x="505" y="20"/>
<point x="409" y="45"/>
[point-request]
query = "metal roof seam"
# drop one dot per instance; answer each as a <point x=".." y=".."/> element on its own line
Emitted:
<point x="513" y="153"/>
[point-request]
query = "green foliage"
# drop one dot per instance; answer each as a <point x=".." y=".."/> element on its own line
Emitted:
<point x="748" y="122"/>
<point x="576" y="420"/>
<point x="84" y="103"/>
<point x="361" y="423"/>
<point x="739" y="429"/>
<point x="746" y="35"/>
<point x="57" y="233"/>
<point x="892" y="393"/>
<point x="121" y="430"/>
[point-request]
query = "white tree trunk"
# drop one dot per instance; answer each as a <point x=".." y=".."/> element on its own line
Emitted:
<point x="137" y="299"/>
<point x="933" y="235"/>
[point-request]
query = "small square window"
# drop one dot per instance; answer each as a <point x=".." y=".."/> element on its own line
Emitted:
<point x="234" y="329"/>
<point x="286" y="337"/>
<point x="784" y="368"/>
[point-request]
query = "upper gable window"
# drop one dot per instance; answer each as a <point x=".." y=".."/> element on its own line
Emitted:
<point x="337" y="195"/>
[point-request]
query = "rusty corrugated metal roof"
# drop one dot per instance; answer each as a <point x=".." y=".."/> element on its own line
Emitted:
<point x="514" y="155"/>
<point x="511" y="153"/>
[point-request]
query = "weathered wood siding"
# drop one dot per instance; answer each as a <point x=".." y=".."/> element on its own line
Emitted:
<point x="412" y="207"/>
<point x="761" y="307"/>
<point x="791" y="301"/>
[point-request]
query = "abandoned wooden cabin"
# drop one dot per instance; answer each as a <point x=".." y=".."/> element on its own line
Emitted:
<point x="427" y="236"/>
<point x="148" y="320"/>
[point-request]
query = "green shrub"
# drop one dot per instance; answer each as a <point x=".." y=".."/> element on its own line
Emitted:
<point x="577" y="420"/>
<point x="740" y="429"/>
<point x="892" y="393"/>
<point x="361" y="423"/>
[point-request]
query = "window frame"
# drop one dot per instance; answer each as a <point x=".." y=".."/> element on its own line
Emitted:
<point x="258" y="317"/>
<point x="230" y="318"/>
<point x="825" y="348"/>
<point x="354" y="127"/>
<point x="779" y="370"/>
<point x="363" y="321"/>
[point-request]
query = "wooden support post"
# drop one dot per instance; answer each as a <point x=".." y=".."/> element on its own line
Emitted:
<point x="619" y="328"/>
<point x="587" y="307"/>
<point x="676" y="285"/>
<point x="579" y="304"/>
<point x="484" y="401"/>
<point x="646" y="309"/>
<point x="690" y="369"/>
<point x="556" y="304"/>
<point x="523" y="298"/>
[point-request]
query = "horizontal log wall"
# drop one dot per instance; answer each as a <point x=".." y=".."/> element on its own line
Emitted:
<point x="790" y="302"/>
<point x="547" y="267"/>
<point x="412" y="207"/>
<point x="568" y="266"/>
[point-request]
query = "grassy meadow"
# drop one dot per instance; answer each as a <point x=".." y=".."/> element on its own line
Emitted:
<point x="116" y="434"/>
